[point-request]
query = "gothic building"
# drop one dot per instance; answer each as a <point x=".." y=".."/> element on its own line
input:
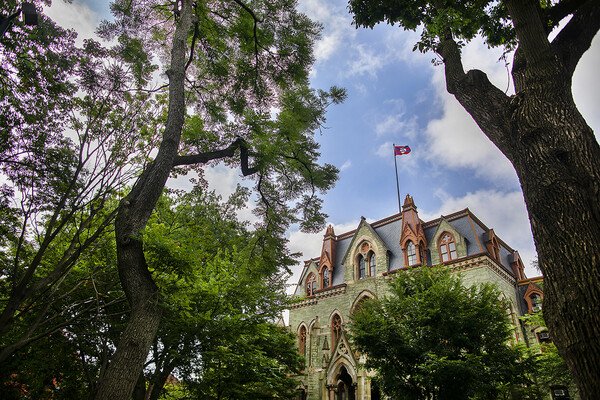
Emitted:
<point x="358" y="264"/>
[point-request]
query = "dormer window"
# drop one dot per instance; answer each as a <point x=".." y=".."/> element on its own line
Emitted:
<point x="447" y="248"/>
<point x="372" y="271"/>
<point x="311" y="285"/>
<point x="326" y="280"/>
<point x="536" y="302"/>
<point x="411" y="253"/>
<point x="362" y="268"/>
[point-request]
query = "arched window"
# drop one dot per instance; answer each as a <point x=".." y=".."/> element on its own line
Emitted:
<point x="495" y="249"/>
<point x="302" y="340"/>
<point x="311" y="285"/>
<point x="411" y="253"/>
<point x="536" y="302"/>
<point x="336" y="330"/>
<point x="372" y="260"/>
<point x="447" y="248"/>
<point x="325" y="277"/>
<point x="361" y="267"/>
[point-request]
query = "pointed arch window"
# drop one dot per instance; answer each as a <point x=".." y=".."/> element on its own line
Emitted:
<point x="447" y="247"/>
<point x="536" y="302"/>
<point x="372" y="260"/>
<point x="311" y="285"/>
<point x="411" y="253"/>
<point x="302" y="340"/>
<point x="336" y="330"/>
<point x="326" y="280"/>
<point x="361" y="267"/>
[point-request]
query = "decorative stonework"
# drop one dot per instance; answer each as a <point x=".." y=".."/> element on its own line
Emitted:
<point x="321" y="294"/>
<point x="365" y="248"/>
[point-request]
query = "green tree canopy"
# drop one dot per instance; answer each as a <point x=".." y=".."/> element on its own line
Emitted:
<point x="432" y="337"/>
<point x="237" y="92"/>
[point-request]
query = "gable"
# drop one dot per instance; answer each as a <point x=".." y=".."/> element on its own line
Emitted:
<point x="364" y="233"/>
<point x="309" y="268"/>
<point x="460" y="240"/>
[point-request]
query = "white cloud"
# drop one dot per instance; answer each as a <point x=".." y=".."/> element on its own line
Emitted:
<point x="365" y="61"/>
<point x="586" y="86"/>
<point x="454" y="140"/>
<point x="310" y="245"/>
<point x="385" y="150"/>
<point x="346" y="165"/>
<point x="338" y="29"/>
<point x="76" y="16"/>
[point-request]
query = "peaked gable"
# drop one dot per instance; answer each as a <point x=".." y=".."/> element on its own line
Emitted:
<point x="460" y="241"/>
<point x="364" y="232"/>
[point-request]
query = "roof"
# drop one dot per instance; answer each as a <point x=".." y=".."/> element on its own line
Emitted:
<point x="388" y="229"/>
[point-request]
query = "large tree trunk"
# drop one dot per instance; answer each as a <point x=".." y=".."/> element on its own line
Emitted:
<point x="557" y="160"/>
<point x="127" y="363"/>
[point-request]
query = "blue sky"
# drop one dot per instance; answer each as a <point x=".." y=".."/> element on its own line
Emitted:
<point x="397" y="96"/>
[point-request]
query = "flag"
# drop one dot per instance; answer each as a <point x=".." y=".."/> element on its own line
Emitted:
<point x="400" y="150"/>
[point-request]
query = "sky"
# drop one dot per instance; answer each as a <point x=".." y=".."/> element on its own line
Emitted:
<point x="397" y="96"/>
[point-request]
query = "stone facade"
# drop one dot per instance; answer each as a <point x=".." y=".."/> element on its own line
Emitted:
<point x="359" y="264"/>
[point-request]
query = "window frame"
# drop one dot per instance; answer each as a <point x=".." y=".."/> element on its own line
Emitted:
<point x="362" y="267"/>
<point x="325" y="271"/>
<point x="445" y="245"/>
<point x="411" y="253"/>
<point x="336" y="330"/>
<point x="302" y="340"/>
<point x="372" y="263"/>
<point x="311" y="280"/>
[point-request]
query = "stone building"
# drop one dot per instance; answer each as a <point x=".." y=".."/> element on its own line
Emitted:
<point x="358" y="264"/>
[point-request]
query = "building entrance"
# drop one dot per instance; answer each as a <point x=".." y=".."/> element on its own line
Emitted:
<point x="345" y="387"/>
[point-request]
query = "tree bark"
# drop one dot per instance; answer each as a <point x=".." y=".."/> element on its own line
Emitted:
<point x="135" y="209"/>
<point x="557" y="159"/>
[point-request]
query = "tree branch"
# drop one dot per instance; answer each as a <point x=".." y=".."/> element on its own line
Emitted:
<point x="470" y="88"/>
<point x="529" y="28"/>
<point x="256" y="21"/>
<point x="203" y="158"/>
<point x="576" y="37"/>
<point x="555" y="14"/>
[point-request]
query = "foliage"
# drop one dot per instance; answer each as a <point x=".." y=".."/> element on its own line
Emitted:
<point x="551" y="369"/>
<point x="224" y="287"/>
<point x="432" y="337"/>
<point x="67" y="118"/>
<point x="463" y="20"/>
<point x="238" y="92"/>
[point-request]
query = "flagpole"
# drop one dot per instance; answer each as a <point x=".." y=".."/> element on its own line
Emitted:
<point x="397" y="182"/>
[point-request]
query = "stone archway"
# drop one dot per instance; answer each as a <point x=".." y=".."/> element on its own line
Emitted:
<point x="345" y="386"/>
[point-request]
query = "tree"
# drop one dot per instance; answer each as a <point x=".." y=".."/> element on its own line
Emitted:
<point x="538" y="129"/>
<point x="229" y="65"/>
<point x="432" y="337"/>
<point x="222" y="293"/>
<point x="67" y="116"/>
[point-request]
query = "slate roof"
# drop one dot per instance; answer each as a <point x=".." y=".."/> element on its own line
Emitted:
<point x="389" y="230"/>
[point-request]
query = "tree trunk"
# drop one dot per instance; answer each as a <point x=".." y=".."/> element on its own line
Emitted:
<point x="135" y="209"/>
<point x="557" y="159"/>
<point x="559" y="170"/>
